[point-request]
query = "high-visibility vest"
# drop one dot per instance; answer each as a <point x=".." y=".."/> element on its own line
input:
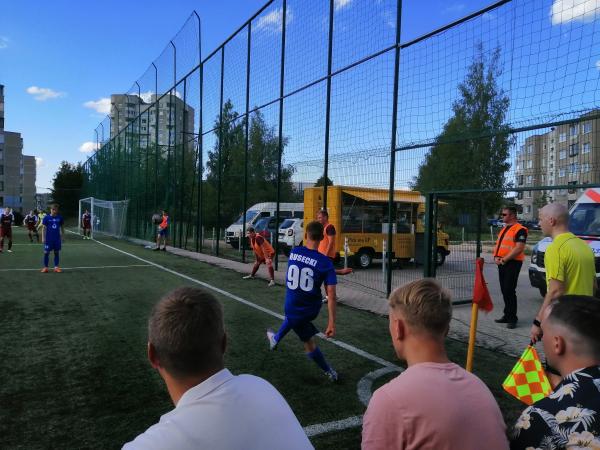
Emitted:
<point x="165" y="222"/>
<point x="264" y="250"/>
<point x="325" y="243"/>
<point x="506" y="241"/>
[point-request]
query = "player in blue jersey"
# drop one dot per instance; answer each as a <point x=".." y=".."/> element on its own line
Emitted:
<point x="307" y="271"/>
<point x="52" y="236"/>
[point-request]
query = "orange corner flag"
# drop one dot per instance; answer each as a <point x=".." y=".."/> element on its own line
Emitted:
<point x="481" y="295"/>
<point x="527" y="381"/>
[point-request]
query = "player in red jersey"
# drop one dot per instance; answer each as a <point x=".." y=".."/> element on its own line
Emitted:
<point x="86" y="224"/>
<point x="6" y="220"/>
<point x="31" y="221"/>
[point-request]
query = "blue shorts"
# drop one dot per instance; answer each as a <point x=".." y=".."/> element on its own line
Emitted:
<point x="52" y="246"/>
<point x="163" y="232"/>
<point x="304" y="328"/>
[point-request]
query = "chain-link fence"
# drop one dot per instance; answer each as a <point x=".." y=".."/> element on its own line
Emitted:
<point x="500" y="107"/>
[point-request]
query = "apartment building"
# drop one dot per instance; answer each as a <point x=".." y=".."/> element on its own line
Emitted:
<point x="17" y="171"/>
<point x="173" y="124"/>
<point x="566" y="155"/>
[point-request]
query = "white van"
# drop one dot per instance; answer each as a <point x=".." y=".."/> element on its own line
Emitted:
<point x="257" y="212"/>
<point x="291" y="233"/>
<point x="584" y="222"/>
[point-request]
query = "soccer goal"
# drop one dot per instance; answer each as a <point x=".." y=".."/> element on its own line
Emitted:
<point x="108" y="217"/>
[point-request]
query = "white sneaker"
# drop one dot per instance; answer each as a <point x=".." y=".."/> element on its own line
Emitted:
<point x="332" y="375"/>
<point x="324" y="301"/>
<point x="271" y="283"/>
<point x="271" y="339"/>
<point x="9" y="251"/>
<point x="248" y="277"/>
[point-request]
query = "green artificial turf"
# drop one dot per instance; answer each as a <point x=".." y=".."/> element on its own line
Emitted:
<point x="74" y="371"/>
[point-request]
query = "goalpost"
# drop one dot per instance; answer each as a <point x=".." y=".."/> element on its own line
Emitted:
<point x="108" y="217"/>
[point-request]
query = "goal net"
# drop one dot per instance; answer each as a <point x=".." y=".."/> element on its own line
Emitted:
<point x="108" y="217"/>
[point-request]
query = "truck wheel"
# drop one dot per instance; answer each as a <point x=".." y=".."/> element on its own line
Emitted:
<point x="364" y="258"/>
<point x="440" y="256"/>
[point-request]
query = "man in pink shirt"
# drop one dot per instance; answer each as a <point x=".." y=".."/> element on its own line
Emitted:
<point x="434" y="403"/>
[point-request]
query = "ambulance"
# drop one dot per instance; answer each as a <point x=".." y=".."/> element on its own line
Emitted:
<point x="584" y="222"/>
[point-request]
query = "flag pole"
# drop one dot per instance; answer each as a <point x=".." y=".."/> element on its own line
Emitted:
<point x="472" y="336"/>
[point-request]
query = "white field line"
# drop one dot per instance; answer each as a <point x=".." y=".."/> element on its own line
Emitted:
<point x="79" y="268"/>
<point x="311" y="430"/>
<point x="328" y="427"/>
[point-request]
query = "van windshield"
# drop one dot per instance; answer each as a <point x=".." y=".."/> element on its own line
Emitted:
<point x="286" y="223"/>
<point x="250" y="215"/>
<point x="585" y="220"/>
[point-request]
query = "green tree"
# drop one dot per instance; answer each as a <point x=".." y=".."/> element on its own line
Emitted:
<point x="321" y="181"/>
<point x="67" y="187"/>
<point x="263" y="159"/>
<point x="472" y="150"/>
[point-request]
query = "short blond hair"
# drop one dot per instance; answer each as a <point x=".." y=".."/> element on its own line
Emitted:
<point x="425" y="305"/>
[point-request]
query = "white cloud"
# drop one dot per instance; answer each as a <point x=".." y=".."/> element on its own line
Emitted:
<point x="39" y="162"/>
<point x="565" y="11"/>
<point x="88" y="147"/>
<point x="454" y="8"/>
<point x="598" y="64"/>
<point x="43" y="94"/>
<point x="4" y="42"/>
<point x="272" y="22"/>
<point x="146" y="96"/>
<point x="101" y="106"/>
<point x="339" y="4"/>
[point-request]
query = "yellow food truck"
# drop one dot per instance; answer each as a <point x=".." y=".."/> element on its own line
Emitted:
<point x="360" y="215"/>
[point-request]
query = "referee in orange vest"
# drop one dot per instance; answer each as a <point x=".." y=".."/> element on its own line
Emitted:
<point x="508" y="256"/>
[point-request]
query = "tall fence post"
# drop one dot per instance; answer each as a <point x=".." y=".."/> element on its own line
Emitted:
<point x="242" y="241"/>
<point x="429" y="224"/>
<point x="219" y="174"/>
<point x="156" y="143"/>
<point x="280" y="142"/>
<point x="328" y="103"/>
<point x="200" y="205"/>
<point x="391" y="209"/>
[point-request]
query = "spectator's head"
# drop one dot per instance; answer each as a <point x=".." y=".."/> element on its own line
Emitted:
<point x="314" y="231"/>
<point x="54" y="209"/>
<point x="571" y="339"/>
<point x="323" y="216"/>
<point x="419" y="312"/>
<point x="509" y="214"/>
<point x="164" y="212"/>
<point x="186" y="337"/>
<point x="554" y="217"/>
<point x="251" y="232"/>
<point x="31" y="212"/>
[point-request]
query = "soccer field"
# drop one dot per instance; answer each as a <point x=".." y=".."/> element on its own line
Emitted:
<point x="74" y="370"/>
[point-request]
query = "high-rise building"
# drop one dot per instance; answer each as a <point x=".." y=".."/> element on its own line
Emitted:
<point x="566" y="155"/>
<point x="17" y="171"/>
<point x="175" y="119"/>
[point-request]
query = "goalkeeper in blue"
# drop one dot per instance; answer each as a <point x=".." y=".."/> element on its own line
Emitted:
<point x="307" y="271"/>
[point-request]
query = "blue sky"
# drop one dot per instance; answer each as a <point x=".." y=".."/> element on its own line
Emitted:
<point x="57" y="57"/>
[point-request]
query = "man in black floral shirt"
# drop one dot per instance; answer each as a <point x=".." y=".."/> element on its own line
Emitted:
<point x="569" y="418"/>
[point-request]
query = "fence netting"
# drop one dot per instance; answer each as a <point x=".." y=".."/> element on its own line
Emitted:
<point x="500" y="107"/>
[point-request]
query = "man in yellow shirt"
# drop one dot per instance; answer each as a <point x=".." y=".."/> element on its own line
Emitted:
<point x="569" y="261"/>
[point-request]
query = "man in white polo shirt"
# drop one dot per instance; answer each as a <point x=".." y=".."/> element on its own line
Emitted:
<point x="214" y="409"/>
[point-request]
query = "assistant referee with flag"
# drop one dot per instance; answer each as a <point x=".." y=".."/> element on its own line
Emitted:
<point x="508" y="256"/>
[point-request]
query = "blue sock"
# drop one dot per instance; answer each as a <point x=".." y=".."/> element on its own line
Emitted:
<point x="56" y="258"/>
<point x="319" y="359"/>
<point x="46" y="259"/>
<point x="283" y="330"/>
